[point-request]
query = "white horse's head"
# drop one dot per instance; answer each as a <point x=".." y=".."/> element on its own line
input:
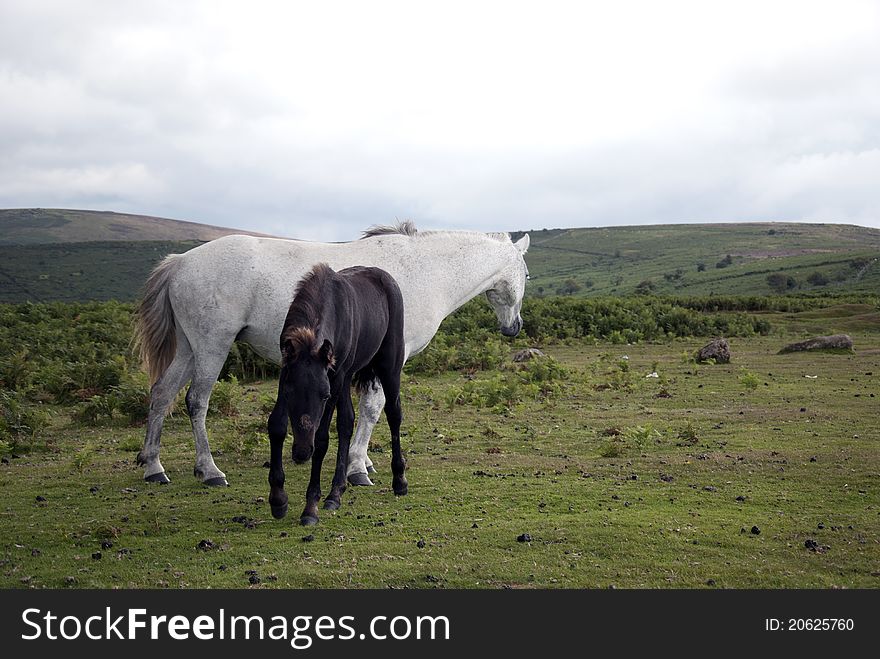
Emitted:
<point x="507" y="291"/>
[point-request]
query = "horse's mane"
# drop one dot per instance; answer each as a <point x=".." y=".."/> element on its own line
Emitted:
<point x="408" y="228"/>
<point x="304" y="314"/>
<point x="404" y="228"/>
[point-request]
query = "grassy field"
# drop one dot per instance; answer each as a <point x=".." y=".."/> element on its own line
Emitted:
<point x="759" y="473"/>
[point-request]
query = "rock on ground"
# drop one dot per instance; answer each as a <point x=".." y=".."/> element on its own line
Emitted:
<point x="527" y="354"/>
<point x="833" y="342"/>
<point x="717" y="349"/>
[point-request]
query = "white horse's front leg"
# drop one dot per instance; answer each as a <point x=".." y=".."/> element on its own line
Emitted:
<point x="369" y="408"/>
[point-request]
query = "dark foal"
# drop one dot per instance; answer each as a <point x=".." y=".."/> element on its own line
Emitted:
<point x="342" y="327"/>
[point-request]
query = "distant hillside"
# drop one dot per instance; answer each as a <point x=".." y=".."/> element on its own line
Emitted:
<point x="76" y="272"/>
<point x="692" y="259"/>
<point x="83" y="261"/>
<point x="32" y="226"/>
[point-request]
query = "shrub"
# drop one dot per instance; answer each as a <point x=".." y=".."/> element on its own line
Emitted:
<point x="641" y="435"/>
<point x="17" y="370"/>
<point x="500" y="393"/>
<point x="95" y="408"/>
<point x="226" y="398"/>
<point x="817" y="279"/>
<point x="20" y="421"/>
<point x="688" y="436"/>
<point x="83" y="457"/>
<point x="246" y="365"/>
<point x="749" y="380"/>
<point x="132" y="397"/>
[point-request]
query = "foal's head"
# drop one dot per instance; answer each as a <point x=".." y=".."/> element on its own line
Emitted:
<point x="305" y="385"/>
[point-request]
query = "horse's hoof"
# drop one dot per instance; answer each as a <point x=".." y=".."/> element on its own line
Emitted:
<point x="278" y="512"/>
<point x="401" y="490"/>
<point x="217" y="481"/>
<point x="359" y="479"/>
<point x="331" y="504"/>
<point x="371" y="469"/>
<point x="308" y="520"/>
<point x="157" y="478"/>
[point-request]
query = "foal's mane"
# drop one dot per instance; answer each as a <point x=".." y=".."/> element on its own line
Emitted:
<point x="305" y="312"/>
<point x="408" y="228"/>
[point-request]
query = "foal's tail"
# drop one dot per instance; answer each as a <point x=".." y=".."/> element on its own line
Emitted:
<point x="155" y="334"/>
<point x="364" y="379"/>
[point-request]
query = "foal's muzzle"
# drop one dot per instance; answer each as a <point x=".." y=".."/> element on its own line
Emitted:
<point x="302" y="451"/>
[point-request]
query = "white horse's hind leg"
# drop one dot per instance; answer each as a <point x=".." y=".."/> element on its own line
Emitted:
<point x="207" y="369"/>
<point x="370" y="407"/>
<point x="162" y="395"/>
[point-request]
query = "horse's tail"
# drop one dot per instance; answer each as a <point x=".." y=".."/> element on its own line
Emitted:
<point x="155" y="335"/>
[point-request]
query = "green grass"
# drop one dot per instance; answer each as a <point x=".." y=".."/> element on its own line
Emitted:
<point x="664" y="512"/>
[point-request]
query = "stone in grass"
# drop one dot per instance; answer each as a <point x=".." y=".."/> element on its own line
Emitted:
<point x="205" y="545"/>
<point x="527" y="354"/>
<point x="525" y="537"/>
<point x="717" y="350"/>
<point x="814" y="546"/>
<point x="833" y="342"/>
<point x="756" y="530"/>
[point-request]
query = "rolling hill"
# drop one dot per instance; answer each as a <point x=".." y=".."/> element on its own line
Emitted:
<point x="704" y="259"/>
<point x="34" y="226"/>
<point x="74" y="255"/>
<point x="63" y="255"/>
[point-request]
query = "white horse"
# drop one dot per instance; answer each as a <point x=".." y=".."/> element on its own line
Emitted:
<point x="240" y="287"/>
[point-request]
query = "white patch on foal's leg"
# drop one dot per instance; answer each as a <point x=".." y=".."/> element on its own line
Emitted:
<point x="369" y="409"/>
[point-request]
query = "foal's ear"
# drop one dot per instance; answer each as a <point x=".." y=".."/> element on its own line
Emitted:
<point x="326" y="353"/>
<point x="523" y="244"/>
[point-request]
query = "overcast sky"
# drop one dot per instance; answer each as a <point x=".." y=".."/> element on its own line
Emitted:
<point x="317" y="119"/>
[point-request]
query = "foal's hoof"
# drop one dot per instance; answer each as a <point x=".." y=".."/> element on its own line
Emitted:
<point x="401" y="490"/>
<point x="278" y="512"/>
<point x="217" y="481"/>
<point x="359" y="479"/>
<point x="308" y="520"/>
<point x="371" y="469"/>
<point x="157" y="478"/>
<point x="331" y="504"/>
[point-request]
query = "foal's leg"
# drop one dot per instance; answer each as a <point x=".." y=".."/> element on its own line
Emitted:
<point x="394" y="414"/>
<point x="370" y="407"/>
<point x="344" y="428"/>
<point x="277" y="427"/>
<point x="322" y="440"/>
<point x="162" y="395"/>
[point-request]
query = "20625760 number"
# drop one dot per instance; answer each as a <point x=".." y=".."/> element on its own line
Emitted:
<point x="820" y="624"/>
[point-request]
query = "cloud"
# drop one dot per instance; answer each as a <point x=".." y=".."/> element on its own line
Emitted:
<point x="316" y="121"/>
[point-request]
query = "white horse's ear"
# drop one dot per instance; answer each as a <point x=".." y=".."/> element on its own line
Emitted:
<point x="523" y="244"/>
